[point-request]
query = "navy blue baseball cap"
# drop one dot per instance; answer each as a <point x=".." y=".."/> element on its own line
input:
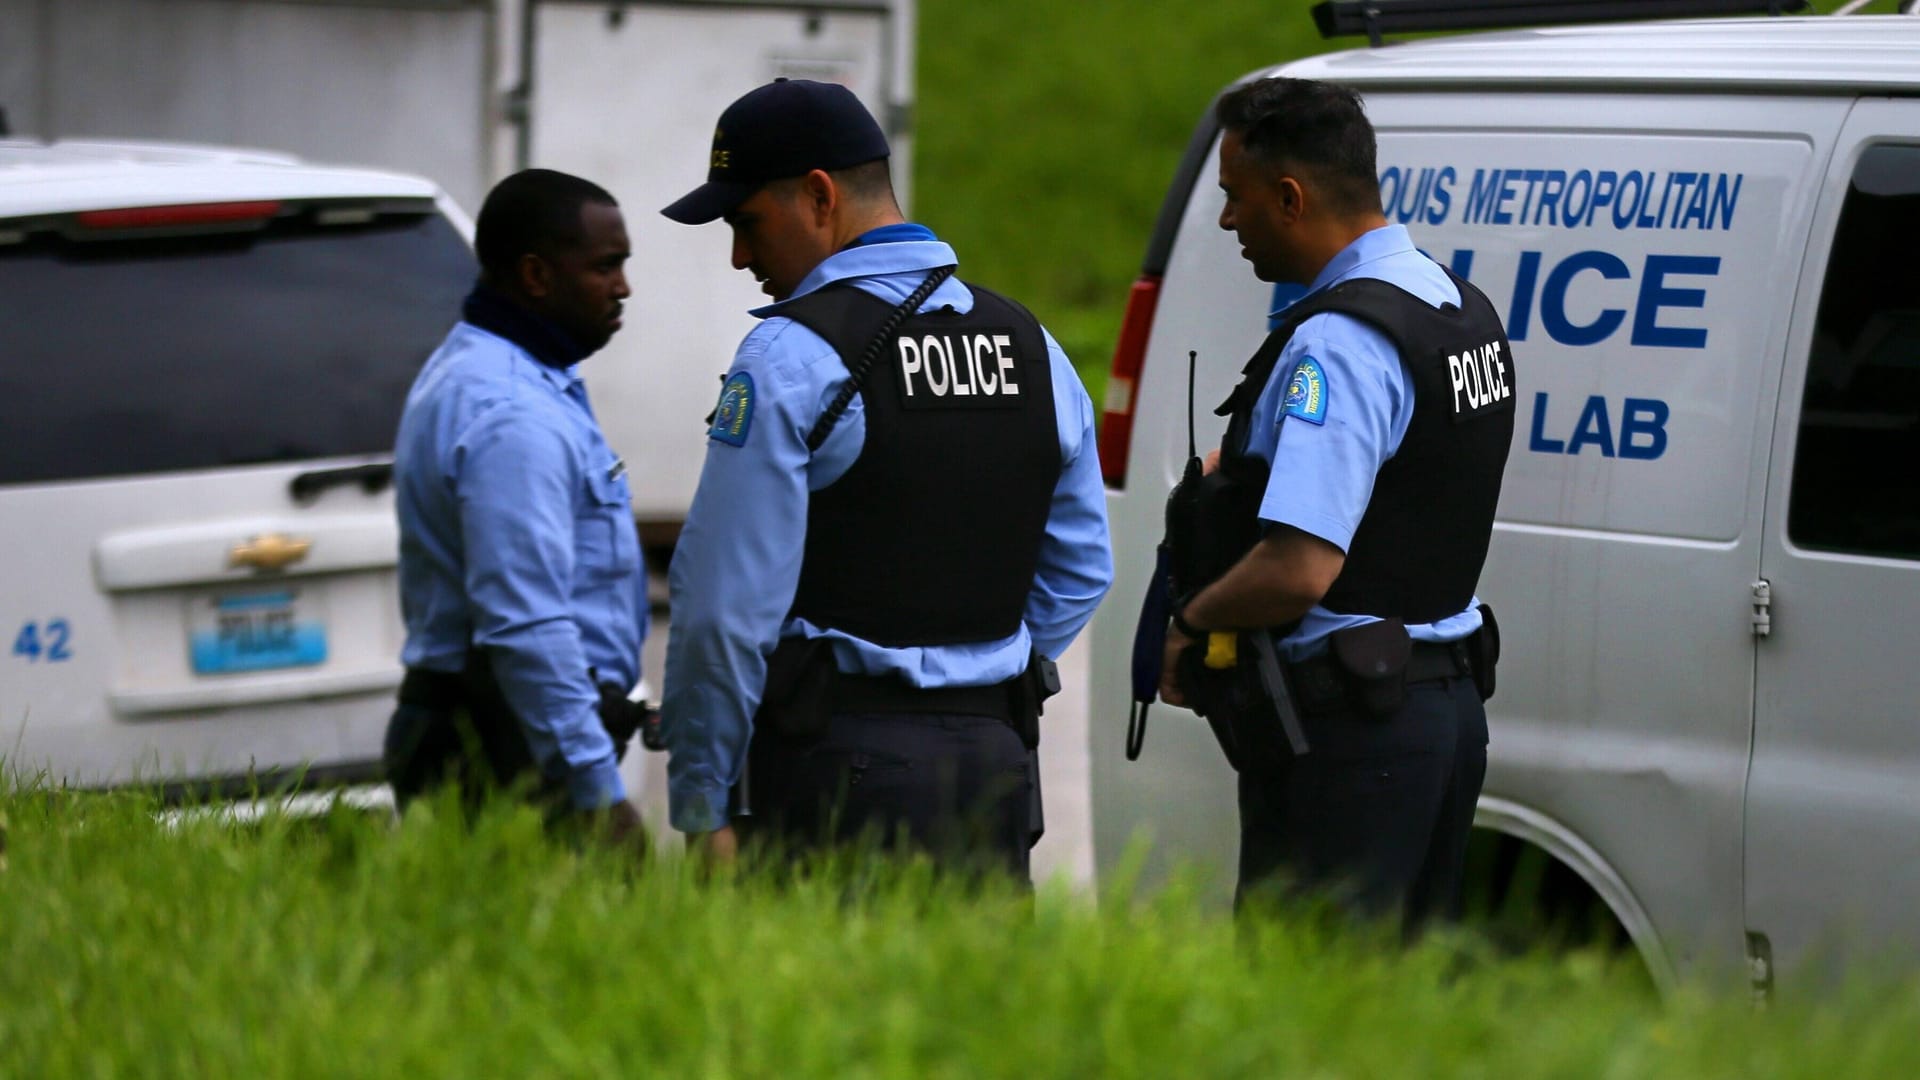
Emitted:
<point x="789" y="127"/>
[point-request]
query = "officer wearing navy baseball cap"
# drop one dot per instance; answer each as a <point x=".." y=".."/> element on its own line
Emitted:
<point x="784" y="129"/>
<point x="899" y="525"/>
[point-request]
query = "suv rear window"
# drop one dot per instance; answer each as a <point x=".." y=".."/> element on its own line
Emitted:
<point x="143" y="355"/>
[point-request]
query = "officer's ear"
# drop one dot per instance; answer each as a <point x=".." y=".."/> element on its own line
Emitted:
<point x="534" y="275"/>
<point x="819" y="196"/>
<point x="1290" y="198"/>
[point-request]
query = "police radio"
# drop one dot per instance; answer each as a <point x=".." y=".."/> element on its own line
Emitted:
<point x="1203" y="538"/>
<point x="1186" y="560"/>
<point x="1212" y="521"/>
<point x="1150" y="633"/>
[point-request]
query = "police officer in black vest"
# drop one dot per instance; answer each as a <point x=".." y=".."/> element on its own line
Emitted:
<point x="899" y="524"/>
<point x="1358" y="476"/>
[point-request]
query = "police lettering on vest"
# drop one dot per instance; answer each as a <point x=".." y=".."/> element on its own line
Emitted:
<point x="1479" y="379"/>
<point x="972" y="369"/>
<point x="1442" y="484"/>
<point x="932" y="536"/>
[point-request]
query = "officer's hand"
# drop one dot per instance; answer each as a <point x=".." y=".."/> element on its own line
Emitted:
<point x="1210" y="462"/>
<point x="621" y="826"/>
<point x="1177" y="643"/>
<point x="719" y="847"/>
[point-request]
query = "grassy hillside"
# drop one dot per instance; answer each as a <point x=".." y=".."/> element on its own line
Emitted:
<point x="1047" y="134"/>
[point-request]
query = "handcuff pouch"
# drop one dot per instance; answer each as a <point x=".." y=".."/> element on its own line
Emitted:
<point x="1374" y="658"/>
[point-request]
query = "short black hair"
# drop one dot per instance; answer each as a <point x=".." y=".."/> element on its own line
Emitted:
<point x="869" y="181"/>
<point x="1314" y="126"/>
<point x="533" y="211"/>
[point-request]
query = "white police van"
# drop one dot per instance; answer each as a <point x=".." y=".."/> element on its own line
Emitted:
<point x="1704" y="238"/>
<point x="203" y="355"/>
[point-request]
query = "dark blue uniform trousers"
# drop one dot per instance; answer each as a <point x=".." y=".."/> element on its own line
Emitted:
<point x="1376" y="817"/>
<point x="956" y="787"/>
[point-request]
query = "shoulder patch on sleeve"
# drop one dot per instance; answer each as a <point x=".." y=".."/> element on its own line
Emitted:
<point x="1307" y="392"/>
<point x="733" y="416"/>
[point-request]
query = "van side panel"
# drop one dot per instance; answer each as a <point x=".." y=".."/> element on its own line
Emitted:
<point x="1645" y="266"/>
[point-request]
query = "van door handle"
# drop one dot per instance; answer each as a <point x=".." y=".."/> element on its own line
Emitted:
<point x="372" y="479"/>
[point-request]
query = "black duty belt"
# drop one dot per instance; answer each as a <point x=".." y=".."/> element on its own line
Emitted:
<point x="887" y="694"/>
<point x="1430" y="660"/>
<point x="1438" y="660"/>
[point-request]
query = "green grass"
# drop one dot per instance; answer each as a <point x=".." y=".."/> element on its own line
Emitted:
<point x="1046" y="136"/>
<point x="347" y="947"/>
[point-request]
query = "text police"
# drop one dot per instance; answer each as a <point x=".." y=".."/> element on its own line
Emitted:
<point x="1479" y="378"/>
<point x="937" y="370"/>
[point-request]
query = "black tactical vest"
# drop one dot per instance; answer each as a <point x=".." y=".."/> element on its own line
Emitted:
<point x="1420" y="546"/>
<point x="932" y="536"/>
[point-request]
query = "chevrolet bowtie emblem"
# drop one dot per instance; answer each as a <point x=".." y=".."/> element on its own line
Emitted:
<point x="269" y="551"/>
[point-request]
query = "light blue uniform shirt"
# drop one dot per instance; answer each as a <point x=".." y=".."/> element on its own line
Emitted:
<point x="737" y="565"/>
<point x="1323" y="472"/>
<point x="516" y="534"/>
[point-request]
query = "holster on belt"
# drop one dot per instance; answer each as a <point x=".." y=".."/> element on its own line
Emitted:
<point x="619" y="717"/>
<point x="1027" y="696"/>
<point x="1378" y="660"/>
<point x="1367" y="669"/>
<point x="805" y="688"/>
<point x="1483" y="652"/>
<point x="472" y="719"/>
<point x="798" y="699"/>
<point x="1248" y="703"/>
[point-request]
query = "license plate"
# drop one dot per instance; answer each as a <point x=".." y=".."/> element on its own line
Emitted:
<point x="229" y="633"/>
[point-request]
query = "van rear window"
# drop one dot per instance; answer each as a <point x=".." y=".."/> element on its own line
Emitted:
<point x="298" y="341"/>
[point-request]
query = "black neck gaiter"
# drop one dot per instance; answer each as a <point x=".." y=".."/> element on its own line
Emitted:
<point x="487" y="309"/>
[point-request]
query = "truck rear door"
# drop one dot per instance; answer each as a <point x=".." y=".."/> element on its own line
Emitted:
<point x="627" y="96"/>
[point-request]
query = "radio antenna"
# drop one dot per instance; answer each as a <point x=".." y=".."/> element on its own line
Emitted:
<point x="1193" y="357"/>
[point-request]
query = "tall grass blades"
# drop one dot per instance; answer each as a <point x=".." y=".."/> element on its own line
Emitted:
<point x="346" y="945"/>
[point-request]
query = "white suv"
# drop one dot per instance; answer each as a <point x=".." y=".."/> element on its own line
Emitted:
<point x="205" y="353"/>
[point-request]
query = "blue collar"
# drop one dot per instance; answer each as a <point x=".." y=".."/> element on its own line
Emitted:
<point x="892" y="234"/>
<point x="880" y="266"/>
<point x="1365" y="248"/>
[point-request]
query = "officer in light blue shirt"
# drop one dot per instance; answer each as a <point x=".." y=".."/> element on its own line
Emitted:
<point x="1372" y="431"/>
<point x="877" y="568"/>
<point x="520" y="574"/>
<point x="1328" y="477"/>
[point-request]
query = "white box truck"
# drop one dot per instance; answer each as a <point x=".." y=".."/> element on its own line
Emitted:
<point x="623" y="92"/>
<point x="1706" y="559"/>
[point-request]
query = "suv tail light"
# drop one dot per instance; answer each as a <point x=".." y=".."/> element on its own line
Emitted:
<point x="1123" y="385"/>
<point x="161" y="217"/>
